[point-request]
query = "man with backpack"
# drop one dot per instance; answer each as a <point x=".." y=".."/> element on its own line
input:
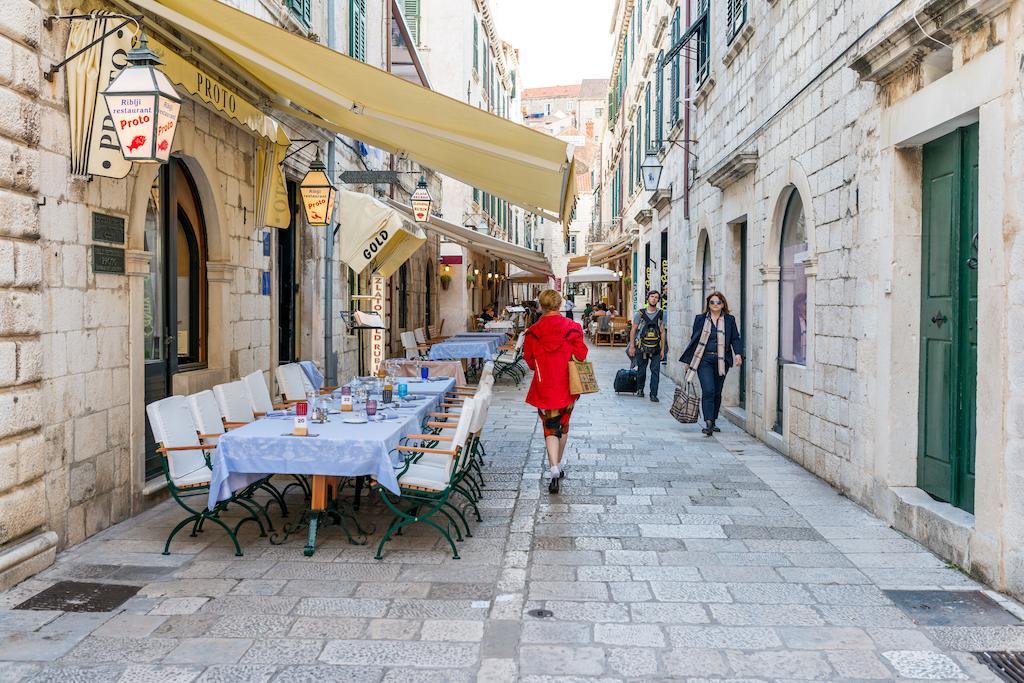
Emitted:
<point x="647" y="344"/>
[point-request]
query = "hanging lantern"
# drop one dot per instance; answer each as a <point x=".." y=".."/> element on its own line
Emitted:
<point x="421" y="202"/>
<point x="318" y="194"/>
<point x="651" y="171"/>
<point x="143" y="106"/>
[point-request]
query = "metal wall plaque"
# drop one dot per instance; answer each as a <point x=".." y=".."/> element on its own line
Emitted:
<point x="368" y="177"/>
<point x="107" y="228"/>
<point x="107" y="260"/>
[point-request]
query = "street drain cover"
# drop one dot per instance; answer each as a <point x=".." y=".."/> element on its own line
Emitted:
<point x="80" y="596"/>
<point x="951" y="608"/>
<point x="541" y="613"/>
<point x="1009" y="666"/>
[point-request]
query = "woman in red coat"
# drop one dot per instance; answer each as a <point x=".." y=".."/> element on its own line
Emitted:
<point x="550" y="343"/>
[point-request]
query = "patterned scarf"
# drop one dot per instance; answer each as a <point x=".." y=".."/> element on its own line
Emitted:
<point x="698" y="353"/>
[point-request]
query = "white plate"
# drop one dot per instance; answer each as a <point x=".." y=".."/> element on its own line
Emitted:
<point x="355" y="420"/>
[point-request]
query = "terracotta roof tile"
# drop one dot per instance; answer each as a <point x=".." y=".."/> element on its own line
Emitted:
<point x="552" y="91"/>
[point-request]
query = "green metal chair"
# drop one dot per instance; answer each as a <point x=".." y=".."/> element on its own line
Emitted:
<point x="426" y="489"/>
<point x="187" y="467"/>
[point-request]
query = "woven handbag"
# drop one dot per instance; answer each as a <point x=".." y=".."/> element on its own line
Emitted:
<point x="685" y="404"/>
<point x="581" y="377"/>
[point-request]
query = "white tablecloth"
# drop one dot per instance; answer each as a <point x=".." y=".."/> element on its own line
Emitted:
<point x="465" y="347"/>
<point x="451" y="368"/>
<point x="259" y="448"/>
<point x="500" y="325"/>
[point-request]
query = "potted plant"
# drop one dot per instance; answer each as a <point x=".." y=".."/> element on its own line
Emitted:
<point x="627" y="281"/>
<point x="470" y="279"/>
<point x="446" y="280"/>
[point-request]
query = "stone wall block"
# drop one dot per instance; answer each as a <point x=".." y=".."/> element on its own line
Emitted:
<point x="97" y="514"/>
<point x="30" y="362"/>
<point x="112" y="345"/>
<point x="31" y="458"/>
<point x="75" y="526"/>
<point x="83" y="482"/>
<point x="74" y="265"/>
<point x="21" y="510"/>
<point x="106" y="308"/>
<point x="19" y="166"/>
<point x="7" y="269"/>
<point x="65" y="309"/>
<point x="20" y="313"/>
<point x="28" y="264"/>
<point x="56" y="442"/>
<point x="19" y="117"/>
<point x="21" y="20"/>
<point x="54" y="358"/>
<point x="20" y="411"/>
<point x="8" y="466"/>
<point x="90" y="436"/>
<point x="8" y="363"/>
<point x="82" y="351"/>
<point x="105" y="471"/>
<point x="56" y="481"/>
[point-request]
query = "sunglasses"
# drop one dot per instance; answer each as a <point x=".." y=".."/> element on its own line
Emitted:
<point x="715" y="302"/>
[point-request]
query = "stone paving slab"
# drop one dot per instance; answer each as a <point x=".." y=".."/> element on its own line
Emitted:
<point x="667" y="556"/>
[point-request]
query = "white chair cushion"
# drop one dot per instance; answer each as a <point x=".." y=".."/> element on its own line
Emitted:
<point x="435" y="478"/>
<point x="206" y="413"/>
<point x="259" y="394"/>
<point x="233" y="401"/>
<point x="200" y="477"/>
<point x="171" y="421"/>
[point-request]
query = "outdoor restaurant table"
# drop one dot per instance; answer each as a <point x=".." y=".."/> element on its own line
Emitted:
<point x="265" y="446"/>
<point x="465" y="347"/>
<point x="438" y="368"/>
<point x="430" y="387"/>
<point x="500" y="325"/>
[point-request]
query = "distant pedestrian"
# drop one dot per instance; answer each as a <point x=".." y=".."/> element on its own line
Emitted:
<point x="550" y="344"/>
<point x="715" y="346"/>
<point x="647" y="344"/>
<point x="567" y="306"/>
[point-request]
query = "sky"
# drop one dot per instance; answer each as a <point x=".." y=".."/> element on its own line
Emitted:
<point x="560" y="41"/>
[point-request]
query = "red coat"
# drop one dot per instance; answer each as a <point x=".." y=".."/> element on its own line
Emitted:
<point x="550" y="343"/>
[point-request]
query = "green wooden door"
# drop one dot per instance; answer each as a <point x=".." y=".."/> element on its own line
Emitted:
<point x="949" y="287"/>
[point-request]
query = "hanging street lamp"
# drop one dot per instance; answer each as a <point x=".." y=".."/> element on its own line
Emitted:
<point x="144" y="107"/>
<point x="421" y="202"/>
<point x="651" y="171"/>
<point x="318" y="194"/>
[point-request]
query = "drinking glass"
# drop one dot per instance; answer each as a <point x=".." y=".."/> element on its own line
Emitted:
<point x="403" y="390"/>
<point x="371" y="408"/>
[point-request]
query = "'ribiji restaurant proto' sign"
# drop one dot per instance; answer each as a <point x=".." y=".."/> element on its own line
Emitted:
<point x="138" y="124"/>
<point x="377" y="350"/>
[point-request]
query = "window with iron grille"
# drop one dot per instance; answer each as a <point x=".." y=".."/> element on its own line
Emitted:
<point x="674" y="106"/>
<point x="736" y="17"/>
<point x="301" y="10"/>
<point x="659" y="96"/>
<point x="357" y="29"/>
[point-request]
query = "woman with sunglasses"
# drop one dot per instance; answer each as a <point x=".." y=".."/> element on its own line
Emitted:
<point x="715" y="346"/>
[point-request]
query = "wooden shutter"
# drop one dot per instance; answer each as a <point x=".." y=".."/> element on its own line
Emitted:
<point x="476" y="43"/>
<point x="411" y="12"/>
<point x="357" y="29"/>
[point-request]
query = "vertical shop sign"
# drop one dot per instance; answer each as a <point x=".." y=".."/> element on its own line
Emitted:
<point x="377" y="291"/>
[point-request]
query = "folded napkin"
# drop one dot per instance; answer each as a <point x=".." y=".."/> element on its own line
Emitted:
<point x="277" y="413"/>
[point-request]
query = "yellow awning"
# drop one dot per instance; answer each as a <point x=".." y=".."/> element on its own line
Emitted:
<point x="603" y="254"/>
<point x="372" y="232"/>
<point x="522" y="276"/>
<point x="527" y="259"/>
<point x="525" y="167"/>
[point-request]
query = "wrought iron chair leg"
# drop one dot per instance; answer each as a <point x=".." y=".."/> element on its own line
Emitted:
<point x="255" y="515"/>
<point x="469" y="534"/>
<point x="231" y="534"/>
<point x="181" y="525"/>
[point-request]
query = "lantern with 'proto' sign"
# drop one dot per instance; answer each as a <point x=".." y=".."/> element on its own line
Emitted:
<point x="421" y="202"/>
<point x="317" y="194"/>
<point x="144" y="107"/>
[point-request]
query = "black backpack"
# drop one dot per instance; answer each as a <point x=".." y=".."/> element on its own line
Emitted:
<point x="648" y="338"/>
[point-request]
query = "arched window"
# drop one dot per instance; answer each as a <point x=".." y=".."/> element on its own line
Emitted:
<point x="793" y="284"/>
<point x="706" y="273"/>
<point x="190" y="270"/>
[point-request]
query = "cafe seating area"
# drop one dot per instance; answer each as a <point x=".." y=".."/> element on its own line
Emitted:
<point x="377" y="455"/>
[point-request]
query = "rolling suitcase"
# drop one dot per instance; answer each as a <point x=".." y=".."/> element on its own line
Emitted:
<point x="625" y="381"/>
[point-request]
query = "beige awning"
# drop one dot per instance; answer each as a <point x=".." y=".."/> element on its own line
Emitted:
<point x="371" y="232"/>
<point x="520" y="275"/>
<point x="603" y="254"/>
<point x="527" y="259"/>
<point x="525" y="167"/>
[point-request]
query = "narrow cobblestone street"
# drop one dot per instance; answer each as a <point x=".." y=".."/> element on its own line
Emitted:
<point x="667" y="555"/>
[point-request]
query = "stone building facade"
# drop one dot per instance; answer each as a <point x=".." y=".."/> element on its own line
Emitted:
<point x="77" y="345"/>
<point x="851" y="188"/>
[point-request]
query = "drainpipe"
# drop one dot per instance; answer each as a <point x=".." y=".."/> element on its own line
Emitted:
<point x="330" y="367"/>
